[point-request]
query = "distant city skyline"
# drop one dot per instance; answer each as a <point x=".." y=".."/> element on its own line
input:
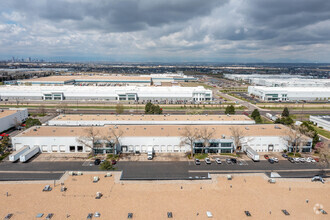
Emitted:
<point x="273" y="31"/>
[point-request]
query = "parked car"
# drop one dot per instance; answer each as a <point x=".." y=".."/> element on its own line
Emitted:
<point x="291" y="159"/>
<point x="301" y="159"/>
<point x="207" y="160"/>
<point x="266" y="157"/>
<point x="297" y="160"/>
<point x="271" y="161"/>
<point x="197" y="162"/>
<point x="316" y="159"/>
<point x="318" y="178"/>
<point x="97" y="161"/>
<point x="275" y="159"/>
<point x="113" y="162"/>
<point x="228" y="161"/>
<point x="233" y="160"/>
<point x="285" y="155"/>
<point x="310" y="160"/>
<point x="218" y="161"/>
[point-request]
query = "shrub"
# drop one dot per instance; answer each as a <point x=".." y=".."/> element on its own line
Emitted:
<point x="106" y="165"/>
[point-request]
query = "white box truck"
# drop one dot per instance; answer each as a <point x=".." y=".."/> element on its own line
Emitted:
<point x="252" y="154"/>
<point x="28" y="154"/>
<point x="150" y="153"/>
<point x="15" y="156"/>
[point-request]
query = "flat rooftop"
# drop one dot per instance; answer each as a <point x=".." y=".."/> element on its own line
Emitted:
<point x="152" y="118"/>
<point x="4" y="113"/>
<point x="86" y="78"/>
<point x="155" y="130"/>
<point x="293" y="89"/>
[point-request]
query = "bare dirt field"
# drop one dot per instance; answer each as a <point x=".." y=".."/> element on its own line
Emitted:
<point x="225" y="199"/>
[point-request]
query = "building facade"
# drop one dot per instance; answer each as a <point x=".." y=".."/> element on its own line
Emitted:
<point x="289" y="93"/>
<point x="126" y="93"/>
<point x="321" y="121"/>
<point x="161" y="138"/>
<point x="12" y="117"/>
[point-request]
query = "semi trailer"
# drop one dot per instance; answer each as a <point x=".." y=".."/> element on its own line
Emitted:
<point x="29" y="154"/>
<point x="252" y="154"/>
<point x="15" y="156"/>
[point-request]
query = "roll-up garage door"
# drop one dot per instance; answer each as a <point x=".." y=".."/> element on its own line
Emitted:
<point x="62" y="148"/>
<point x="44" y="148"/>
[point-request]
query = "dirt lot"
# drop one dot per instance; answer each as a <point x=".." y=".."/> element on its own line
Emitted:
<point x="152" y="200"/>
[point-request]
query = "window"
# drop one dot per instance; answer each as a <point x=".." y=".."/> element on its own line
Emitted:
<point x="226" y="144"/>
<point x="214" y="144"/>
<point x="72" y="148"/>
<point x="80" y="148"/>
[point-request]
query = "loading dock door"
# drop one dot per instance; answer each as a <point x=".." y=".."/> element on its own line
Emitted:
<point x="44" y="148"/>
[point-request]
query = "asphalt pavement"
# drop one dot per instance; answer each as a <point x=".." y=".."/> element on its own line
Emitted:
<point x="151" y="170"/>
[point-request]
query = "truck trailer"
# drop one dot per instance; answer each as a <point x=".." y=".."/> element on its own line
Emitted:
<point x="28" y="154"/>
<point x="15" y="156"/>
<point x="252" y="154"/>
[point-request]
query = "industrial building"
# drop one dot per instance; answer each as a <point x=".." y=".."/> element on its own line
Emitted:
<point x="12" y="117"/>
<point x="281" y="80"/>
<point x="88" y="80"/>
<point x="161" y="138"/>
<point x="321" y="121"/>
<point x="101" y="120"/>
<point x="107" y="80"/>
<point x="289" y="93"/>
<point x="125" y="93"/>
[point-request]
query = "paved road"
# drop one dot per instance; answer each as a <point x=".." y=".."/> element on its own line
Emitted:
<point x="153" y="170"/>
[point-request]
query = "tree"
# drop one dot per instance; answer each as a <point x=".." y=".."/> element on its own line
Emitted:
<point x="42" y="110"/>
<point x="296" y="137"/>
<point x="285" y="112"/>
<point x="312" y="131"/>
<point x="113" y="135"/>
<point x="205" y="135"/>
<point x="90" y="138"/>
<point x="323" y="148"/>
<point x="284" y="121"/>
<point x="230" y="109"/>
<point x="106" y="165"/>
<point x="237" y="135"/>
<point x="152" y="109"/>
<point x="5" y="142"/>
<point x="119" y="108"/>
<point x="32" y="122"/>
<point x="62" y="107"/>
<point x="258" y="119"/>
<point x="189" y="137"/>
<point x="147" y="108"/>
<point x="255" y="114"/>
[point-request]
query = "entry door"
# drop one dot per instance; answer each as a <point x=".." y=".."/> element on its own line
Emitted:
<point x="270" y="147"/>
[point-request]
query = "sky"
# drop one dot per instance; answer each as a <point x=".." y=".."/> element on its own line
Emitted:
<point x="166" y="30"/>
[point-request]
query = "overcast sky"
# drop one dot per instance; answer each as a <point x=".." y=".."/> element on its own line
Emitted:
<point x="167" y="30"/>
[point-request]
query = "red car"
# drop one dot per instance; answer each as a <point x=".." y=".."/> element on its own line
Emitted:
<point x="4" y="135"/>
<point x="316" y="159"/>
<point x="113" y="162"/>
<point x="266" y="157"/>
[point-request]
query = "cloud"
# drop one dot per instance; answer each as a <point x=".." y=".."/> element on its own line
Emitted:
<point x="214" y="30"/>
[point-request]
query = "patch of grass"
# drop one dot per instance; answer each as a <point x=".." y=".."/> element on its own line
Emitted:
<point x="322" y="131"/>
<point x="4" y="155"/>
<point x="201" y="156"/>
<point x="292" y="155"/>
<point x="228" y="154"/>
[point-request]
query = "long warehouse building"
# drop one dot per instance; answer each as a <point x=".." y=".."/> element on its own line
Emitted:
<point x="101" y="120"/>
<point x="12" y="117"/>
<point x="289" y="93"/>
<point x="161" y="138"/>
<point x="128" y="93"/>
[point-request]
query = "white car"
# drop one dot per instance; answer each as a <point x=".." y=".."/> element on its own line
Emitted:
<point x="303" y="160"/>
<point x="275" y="159"/>
<point x="218" y="161"/>
<point x="310" y="160"/>
<point x="207" y="160"/>
<point x="297" y="160"/>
